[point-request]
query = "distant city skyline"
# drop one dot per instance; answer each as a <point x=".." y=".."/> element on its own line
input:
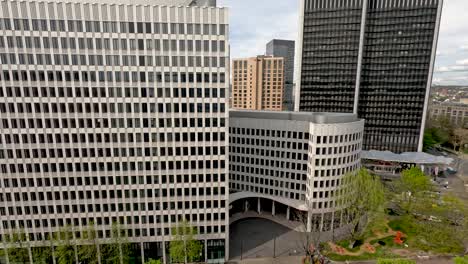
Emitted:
<point x="254" y="23"/>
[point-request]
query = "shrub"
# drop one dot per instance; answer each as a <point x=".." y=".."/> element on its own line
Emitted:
<point x="461" y="260"/>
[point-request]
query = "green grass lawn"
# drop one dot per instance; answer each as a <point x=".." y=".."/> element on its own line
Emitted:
<point x="418" y="235"/>
<point x="404" y="224"/>
<point x="387" y="240"/>
<point x="345" y="244"/>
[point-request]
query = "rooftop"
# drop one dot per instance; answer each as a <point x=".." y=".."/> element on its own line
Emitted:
<point x="198" y="3"/>
<point x="406" y="157"/>
<point x="281" y="41"/>
<point x="319" y="118"/>
<point x="449" y="104"/>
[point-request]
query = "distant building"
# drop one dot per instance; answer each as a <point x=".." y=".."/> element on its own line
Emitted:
<point x="293" y="163"/>
<point x="374" y="58"/>
<point x="258" y="83"/>
<point x="457" y="113"/>
<point x="464" y="100"/>
<point x="285" y="49"/>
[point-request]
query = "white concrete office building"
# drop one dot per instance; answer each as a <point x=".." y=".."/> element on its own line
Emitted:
<point x="293" y="161"/>
<point x="114" y="111"/>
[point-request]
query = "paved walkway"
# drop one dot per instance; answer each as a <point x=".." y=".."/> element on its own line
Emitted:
<point x="279" y="219"/>
<point x="458" y="183"/>
<point x="278" y="260"/>
<point x="261" y="238"/>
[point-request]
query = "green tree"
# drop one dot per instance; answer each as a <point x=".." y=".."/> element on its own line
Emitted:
<point x="365" y="200"/>
<point x="412" y="185"/>
<point x="428" y="139"/>
<point x="460" y="138"/>
<point x="88" y="251"/>
<point x="17" y="247"/>
<point x="439" y="223"/>
<point x="444" y="128"/>
<point x="184" y="247"/>
<point x="42" y="255"/>
<point x="118" y="250"/>
<point x="65" y="251"/>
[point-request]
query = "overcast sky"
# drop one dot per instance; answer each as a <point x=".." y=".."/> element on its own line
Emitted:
<point x="255" y="22"/>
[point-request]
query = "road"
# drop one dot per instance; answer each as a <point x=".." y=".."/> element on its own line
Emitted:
<point x="463" y="167"/>
<point x="457" y="182"/>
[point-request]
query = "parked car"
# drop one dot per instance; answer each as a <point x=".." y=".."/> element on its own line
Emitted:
<point x="451" y="170"/>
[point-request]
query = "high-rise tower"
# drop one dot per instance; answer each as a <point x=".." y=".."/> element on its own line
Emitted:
<point x="285" y="49"/>
<point x="371" y="57"/>
<point x="257" y="83"/>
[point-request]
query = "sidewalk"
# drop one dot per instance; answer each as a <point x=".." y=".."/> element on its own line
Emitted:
<point x="278" y="260"/>
<point x="278" y="218"/>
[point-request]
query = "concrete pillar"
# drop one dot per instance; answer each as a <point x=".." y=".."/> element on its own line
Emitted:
<point x="287" y="213"/>
<point x="206" y="251"/>
<point x="30" y="255"/>
<point x="226" y="247"/>
<point x="164" y="252"/>
<point x="53" y="255"/>
<point x="309" y="222"/>
<point x="273" y="208"/>
<point x="321" y="222"/>
<point x="246" y="206"/>
<point x="259" y="209"/>
<point x="333" y="221"/>
<point x="142" y="252"/>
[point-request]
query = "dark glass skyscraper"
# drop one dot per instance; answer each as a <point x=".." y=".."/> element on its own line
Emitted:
<point x="285" y="49"/>
<point x="371" y="57"/>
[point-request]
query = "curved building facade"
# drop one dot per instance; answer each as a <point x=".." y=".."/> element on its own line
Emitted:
<point x="296" y="159"/>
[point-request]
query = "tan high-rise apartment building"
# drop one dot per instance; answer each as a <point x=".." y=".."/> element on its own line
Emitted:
<point x="258" y="83"/>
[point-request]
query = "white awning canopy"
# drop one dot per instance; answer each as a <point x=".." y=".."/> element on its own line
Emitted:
<point x="406" y="157"/>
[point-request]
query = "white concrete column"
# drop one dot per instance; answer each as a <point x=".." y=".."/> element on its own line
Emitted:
<point x="321" y="222"/>
<point x="259" y="209"/>
<point x="31" y="256"/>
<point x="53" y="255"/>
<point x="246" y="206"/>
<point x="273" y="208"/>
<point x="360" y="54"/>
<point x="142" y="252"/>
<point x="226" y="246"/>
<point x="309" y="222"/>
<point x="206" y="251"/>
<point x="164" y="252"/>
<point x="287" y="213"/>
